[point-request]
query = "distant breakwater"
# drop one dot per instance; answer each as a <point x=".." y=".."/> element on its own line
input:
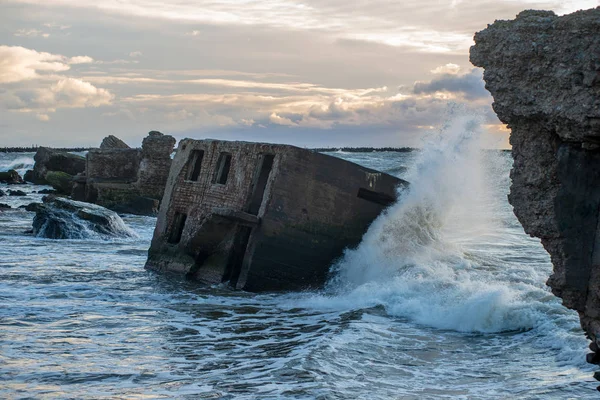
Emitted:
<point x="35" y="148"/>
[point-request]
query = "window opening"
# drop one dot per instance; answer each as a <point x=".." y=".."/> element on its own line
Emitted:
<point x="195" y="165"/>
<point x="261" y="183"/>
<point x="223" y="166"/>
<point x="177" y="227"/>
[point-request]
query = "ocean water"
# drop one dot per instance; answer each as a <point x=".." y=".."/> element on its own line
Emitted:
<point x="445" y="298"/>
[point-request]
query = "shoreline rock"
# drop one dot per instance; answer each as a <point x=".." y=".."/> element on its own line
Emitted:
<point x="544" y="74"/>
<point x="60" y="218"/>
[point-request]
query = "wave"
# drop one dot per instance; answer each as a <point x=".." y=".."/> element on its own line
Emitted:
<point x="422" y="258"/>
<point x="21" y="164"/>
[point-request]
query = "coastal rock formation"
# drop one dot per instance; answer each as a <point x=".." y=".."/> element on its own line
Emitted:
<point x="50" y="160"/>
<point x="125" y="179"/>
<point x="544" y="73"/>
<point x="11" y="177"/>
<point x="60" y="218"/>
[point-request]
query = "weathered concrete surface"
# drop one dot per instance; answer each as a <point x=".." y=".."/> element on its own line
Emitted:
<point x="544" y="73"/>
<point x="60" y="218"/>
<point x="125" y="179"/>
<point x="275" y="221"/>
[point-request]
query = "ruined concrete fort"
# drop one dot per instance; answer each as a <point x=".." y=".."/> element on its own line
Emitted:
<point x="263" y="216"/>
<point x="125" y="179"/>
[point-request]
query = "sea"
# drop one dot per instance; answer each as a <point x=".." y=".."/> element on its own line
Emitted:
<point x="445" y="298"/>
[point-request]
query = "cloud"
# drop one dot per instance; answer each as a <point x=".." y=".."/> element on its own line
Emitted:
<point x="409" y="23"/>
<point x="20" y="64"/>
<point x="38" y="84"/>
<point x="75" y="93"/>
<point x="135" y="54"/>
<point x="31" y="33"/>
<point x="449" y="68"/>
<point x="276" y="119"/>
<point x="54" y="25"/>
<point x="81" y="60"/>
<point x="470" y="85"/>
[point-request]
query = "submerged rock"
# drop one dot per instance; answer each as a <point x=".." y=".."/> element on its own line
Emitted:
<point x="59" y="218"/>
<point x="11" y="177"/>
<point x="544" y="73"/>
<point x="16" y="193"/>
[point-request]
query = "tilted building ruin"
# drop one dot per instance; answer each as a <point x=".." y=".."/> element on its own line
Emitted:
<point x="263" y="217"/>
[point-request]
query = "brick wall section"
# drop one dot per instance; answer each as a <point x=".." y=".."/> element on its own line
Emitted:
<point x="155" y="164"/>
<point x="114" y="165"/>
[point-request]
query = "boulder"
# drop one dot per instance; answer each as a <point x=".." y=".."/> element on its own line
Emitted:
<point x="28" y="177"/>
<point x="4" y="206"/>
<point x="10" y="177"/>
<point x="60" y="218"/>
<point x="51" y="160"/>
<point x="16" y="193"/>
<point x="113" y="142"/>
<point x="2" y="193"/>
<point x="47" y="191"/>
<point x="60" y="181"/>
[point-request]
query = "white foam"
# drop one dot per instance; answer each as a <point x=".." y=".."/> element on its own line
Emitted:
<point x="415" y="258"/>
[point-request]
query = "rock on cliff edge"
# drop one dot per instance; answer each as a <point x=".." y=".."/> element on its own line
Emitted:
<point x="544" y="74"/>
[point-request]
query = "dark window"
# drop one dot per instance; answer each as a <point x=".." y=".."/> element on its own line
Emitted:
<point x="177" y="227"/>
<point x="223" y="166"/>
<point x="194" y="165"/>
<point x="376" y="197"/>
<point x="260" y="184"/>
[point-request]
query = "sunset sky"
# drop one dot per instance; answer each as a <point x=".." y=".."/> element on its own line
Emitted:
<point x="310" y="73"/>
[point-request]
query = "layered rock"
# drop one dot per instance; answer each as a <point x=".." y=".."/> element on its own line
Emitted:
<point x="60" y="218"/>
<point x="544" y="74"/>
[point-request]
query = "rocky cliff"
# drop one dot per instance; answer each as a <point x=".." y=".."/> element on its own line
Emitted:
<point x="544" y="74"/>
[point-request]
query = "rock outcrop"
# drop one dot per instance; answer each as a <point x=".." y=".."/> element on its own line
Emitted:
<point x="544" y="73"/>
<point x="47" y="159"/>
<point x="113" y="142"/>
<point x="11" y="177"/>
<point x="60" y="218"/>
<point x="125" y="179"/>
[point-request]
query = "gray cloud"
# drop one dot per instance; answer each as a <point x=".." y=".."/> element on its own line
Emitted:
<point x="471" y="85"/>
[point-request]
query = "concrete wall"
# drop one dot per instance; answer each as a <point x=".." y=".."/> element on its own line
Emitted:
<point x="310" y="212"/>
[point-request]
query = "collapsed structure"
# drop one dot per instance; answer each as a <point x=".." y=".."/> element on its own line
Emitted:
<point x="544" y="73"/>
<point x="125" y="179"/>
<point x="263" y="216"/>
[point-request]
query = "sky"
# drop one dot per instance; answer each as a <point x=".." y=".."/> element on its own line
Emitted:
<point x="313" y="73"/>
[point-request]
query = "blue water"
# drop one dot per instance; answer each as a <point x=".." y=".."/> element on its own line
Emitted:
<point x="445" y="298"/>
